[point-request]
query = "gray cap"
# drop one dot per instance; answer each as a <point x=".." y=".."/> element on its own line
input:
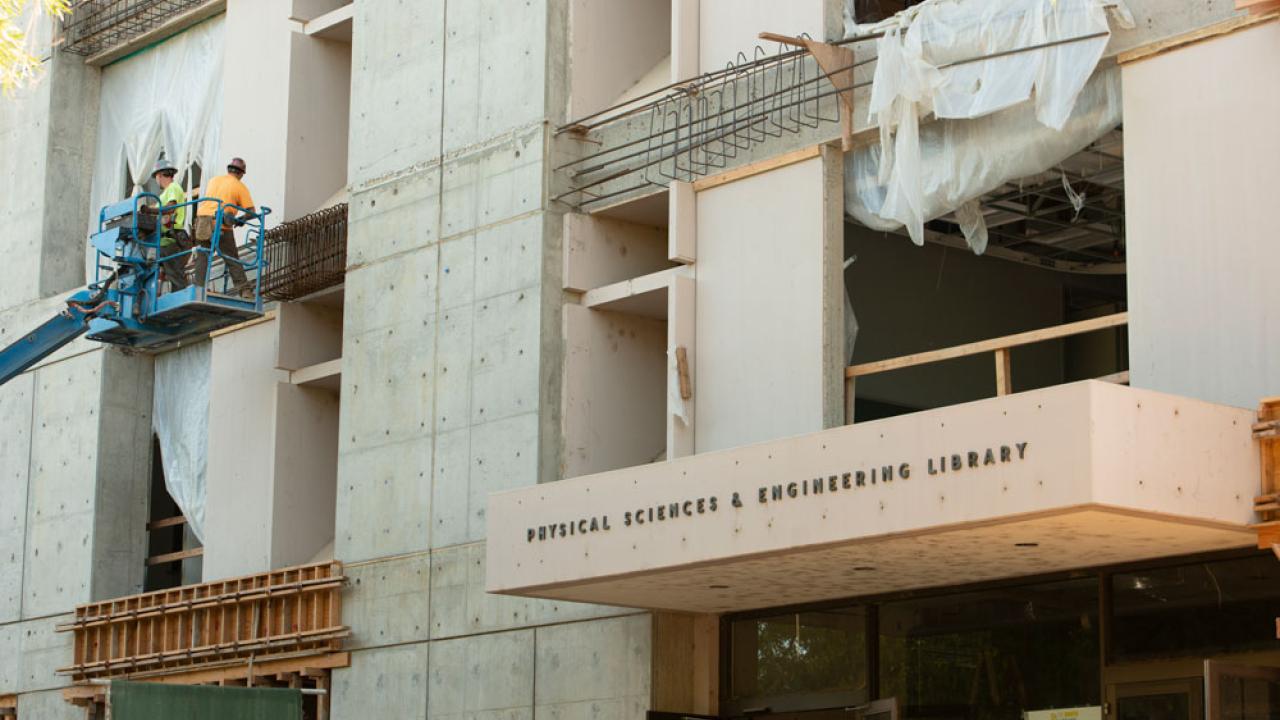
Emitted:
<point x="163" y="165"/>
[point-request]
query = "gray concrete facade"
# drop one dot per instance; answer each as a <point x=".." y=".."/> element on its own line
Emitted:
<point x="452" y="359"/>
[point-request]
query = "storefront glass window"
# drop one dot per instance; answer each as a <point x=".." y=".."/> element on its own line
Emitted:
<point x="793" y="654"/>
<point x="1198" y="609"/>
<point x="992" y="654"/>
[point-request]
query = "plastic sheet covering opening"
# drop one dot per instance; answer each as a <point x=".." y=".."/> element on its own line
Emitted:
<point x="165" y="99"/>
<point x="180" y="417"/>
<point x="1013" y="86"/>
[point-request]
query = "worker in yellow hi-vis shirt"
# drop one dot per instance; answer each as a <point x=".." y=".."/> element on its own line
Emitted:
<point x="173" y="236"/>
<point x="231" y="190"/>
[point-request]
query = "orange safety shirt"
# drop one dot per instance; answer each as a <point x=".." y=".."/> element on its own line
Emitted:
<point x="230" y="191"/>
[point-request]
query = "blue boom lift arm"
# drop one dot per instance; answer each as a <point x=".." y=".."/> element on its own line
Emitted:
<point x="56" y="332"/>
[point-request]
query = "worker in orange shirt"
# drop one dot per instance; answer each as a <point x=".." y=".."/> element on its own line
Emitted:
<point x="231" y="190"/>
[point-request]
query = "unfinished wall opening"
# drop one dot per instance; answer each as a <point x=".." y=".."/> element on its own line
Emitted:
<point x="1056" y="255"/>
<point x="608" y="67"/>
<point x="173" y="551"/>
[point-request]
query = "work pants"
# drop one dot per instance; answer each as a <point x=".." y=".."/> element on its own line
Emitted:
<point x="226" y="246"/>
<point x="175" y="269"/>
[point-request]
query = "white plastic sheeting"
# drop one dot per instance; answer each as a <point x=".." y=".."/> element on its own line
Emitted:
<point x="928" y="65"/>
<point x="961" y="160"/>
<point x="180" y="417"/>
<point x="168" y="98"/>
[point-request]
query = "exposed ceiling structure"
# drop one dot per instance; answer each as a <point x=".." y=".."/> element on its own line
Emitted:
<point x="1070" y="217"/>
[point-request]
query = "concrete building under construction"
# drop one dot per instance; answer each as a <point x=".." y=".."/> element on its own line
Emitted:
<point x="615" y="360"/>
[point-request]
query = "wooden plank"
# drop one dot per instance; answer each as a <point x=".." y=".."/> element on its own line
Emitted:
<point x="755" y="168"/>
<point x="166" y="522"/>
<point x="850" y="399"/>
<point x="682" y="370"/>
<point x="986" y="346"/>
<point x="1269" y="455"/>
<point x="1004" y="372"/>
<point x="231" y="672"/>
<point x="1225" y="27"/>
<point x="322" y="703"/>
<point x="1268" y="534"/>
<point x="784" y="39"/>
<point x="174" y="556"/>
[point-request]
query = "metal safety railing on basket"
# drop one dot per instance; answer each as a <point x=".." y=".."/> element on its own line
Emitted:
<point x="140" y="220"/>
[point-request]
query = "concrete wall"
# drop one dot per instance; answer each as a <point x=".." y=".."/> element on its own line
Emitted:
<point x="605" y="62"/>
<point x="764" y="320"/>
<point x="74" y="474"/>
<point x="728" y="27"/>
<point x="1200" y="176"/>
<point x="47" y="136"/>
<point x="452" y="359"/>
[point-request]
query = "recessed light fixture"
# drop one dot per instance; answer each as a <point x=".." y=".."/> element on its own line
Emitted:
<point x="718" y="587"/>
<point x="1026" y="544"/>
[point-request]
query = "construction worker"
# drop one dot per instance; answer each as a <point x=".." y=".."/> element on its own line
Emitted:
<point x="173" y="234"/>
<point x="231" y="190"/>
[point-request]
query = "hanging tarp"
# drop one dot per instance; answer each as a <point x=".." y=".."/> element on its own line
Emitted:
<point x="1007" y="81"/>
<point x="157" y="701"/>
<point x="180" y="418"/>
<point x="168" y="97"/>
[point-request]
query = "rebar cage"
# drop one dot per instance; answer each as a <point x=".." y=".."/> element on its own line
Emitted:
<point x="98" y="25"/>
<point x="306" y="255"/>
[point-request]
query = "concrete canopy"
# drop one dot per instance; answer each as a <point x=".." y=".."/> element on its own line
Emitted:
<point x="1073" y="476"/>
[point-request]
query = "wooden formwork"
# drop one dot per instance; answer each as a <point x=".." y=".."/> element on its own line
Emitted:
<point x="283" y="613"/>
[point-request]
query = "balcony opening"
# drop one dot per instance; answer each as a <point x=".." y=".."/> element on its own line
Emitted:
<point x="1055" y="259"/>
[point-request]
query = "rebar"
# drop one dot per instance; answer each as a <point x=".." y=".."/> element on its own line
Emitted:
<point x="306" y="255"/>
<point x="98" y="25"/>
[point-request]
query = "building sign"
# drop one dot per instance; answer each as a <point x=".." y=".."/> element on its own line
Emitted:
<point x="781" y="491"/>
<point x="1020" y="484"/>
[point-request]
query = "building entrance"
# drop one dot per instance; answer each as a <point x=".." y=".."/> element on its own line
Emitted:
<point x="1190" y="638"/>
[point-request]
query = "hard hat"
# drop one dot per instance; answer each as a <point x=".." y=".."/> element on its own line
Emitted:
<point x="237" y="164"/>
<point x="163" y="165"/>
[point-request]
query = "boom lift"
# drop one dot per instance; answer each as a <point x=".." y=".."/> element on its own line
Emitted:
<point x="125" y="305"/>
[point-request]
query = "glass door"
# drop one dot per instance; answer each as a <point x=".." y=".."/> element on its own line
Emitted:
<point x="1241" y="692"/>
